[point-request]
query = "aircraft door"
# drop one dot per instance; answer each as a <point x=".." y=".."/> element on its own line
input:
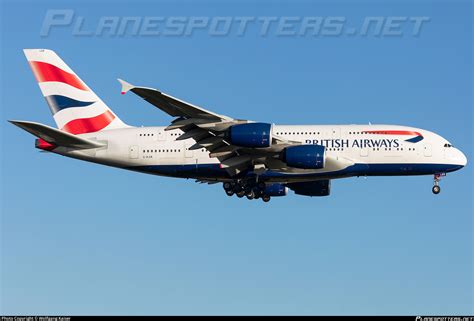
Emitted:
<point x="161" y="135"/>
<point x="133" y="151"/>
<point x="427" y="150"/>
<point x="364" y="152"/>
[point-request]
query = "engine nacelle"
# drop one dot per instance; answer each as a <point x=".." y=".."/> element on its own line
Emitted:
<point x="275" y="190"/>
<point x="313" y="188"/>
<point x="254" y="135"/>
<point x="305" y="156"/>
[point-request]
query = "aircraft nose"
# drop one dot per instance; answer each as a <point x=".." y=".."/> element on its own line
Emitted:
<point x="461" y="159"/>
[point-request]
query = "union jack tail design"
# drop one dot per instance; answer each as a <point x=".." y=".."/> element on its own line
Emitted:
<point x="75" y="107"/>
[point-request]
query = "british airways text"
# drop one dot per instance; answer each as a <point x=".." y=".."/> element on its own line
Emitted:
<point x="357" y="143"/>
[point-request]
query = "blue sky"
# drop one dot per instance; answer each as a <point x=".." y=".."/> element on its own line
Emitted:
<point x="78" y="238"/>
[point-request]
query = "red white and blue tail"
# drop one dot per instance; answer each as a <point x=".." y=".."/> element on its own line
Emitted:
<point x="75" y="107"/>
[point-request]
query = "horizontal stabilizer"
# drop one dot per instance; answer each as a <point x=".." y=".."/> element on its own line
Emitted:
<point x="56" y="136"/>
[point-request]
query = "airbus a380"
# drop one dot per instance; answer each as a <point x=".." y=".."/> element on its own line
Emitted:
<point x="251" y="159"/>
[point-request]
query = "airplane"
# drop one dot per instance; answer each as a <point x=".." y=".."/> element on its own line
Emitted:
<point x="251" y="159"/>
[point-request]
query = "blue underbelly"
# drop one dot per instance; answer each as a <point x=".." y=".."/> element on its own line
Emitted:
<point x="215" y="171"/>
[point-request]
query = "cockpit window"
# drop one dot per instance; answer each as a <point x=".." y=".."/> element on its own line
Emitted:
<point x="448" y="145"/>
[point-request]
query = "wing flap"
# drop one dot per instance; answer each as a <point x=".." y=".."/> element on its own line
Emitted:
<point x="195" y="133"/>
<point x="235" y="161"/>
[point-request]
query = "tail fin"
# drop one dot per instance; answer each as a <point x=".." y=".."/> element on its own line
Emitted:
<point x="75" y="107"/>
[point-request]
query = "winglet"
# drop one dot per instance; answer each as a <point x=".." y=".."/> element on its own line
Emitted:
<point x="125" y="86"/>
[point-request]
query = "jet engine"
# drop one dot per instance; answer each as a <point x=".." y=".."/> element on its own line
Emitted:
<point x="275" y="189"/>
<point x="305" y="156"/>
<point x="253" y="135"/>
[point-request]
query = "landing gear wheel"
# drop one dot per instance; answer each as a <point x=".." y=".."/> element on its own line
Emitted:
<point x="258" y="192"/>
<point x="436" y="189"/>
<point x="227" y="186"/>
<point x="250" y="195"/>
<point x="240" y="194"/>
<point x="229" y="192"/>
<point x="266" y="198"/>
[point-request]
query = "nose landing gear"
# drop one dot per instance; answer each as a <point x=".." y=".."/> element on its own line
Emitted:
<point x="437" y="177"/>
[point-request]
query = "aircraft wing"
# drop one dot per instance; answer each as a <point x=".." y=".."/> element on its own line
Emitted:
<point x="171" y="105"/>
<point x="208" y="130"/>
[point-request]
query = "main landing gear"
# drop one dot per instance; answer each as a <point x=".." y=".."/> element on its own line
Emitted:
<point x="437" y="177"/>
<point x="251" y="190"/>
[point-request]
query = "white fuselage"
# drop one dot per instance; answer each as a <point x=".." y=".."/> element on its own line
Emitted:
<point x="352" y="150"/>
